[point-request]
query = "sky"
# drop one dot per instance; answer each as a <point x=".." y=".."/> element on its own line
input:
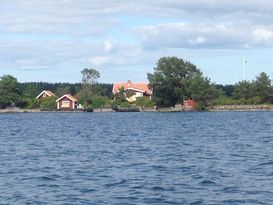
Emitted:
<point x="53" y="40"/>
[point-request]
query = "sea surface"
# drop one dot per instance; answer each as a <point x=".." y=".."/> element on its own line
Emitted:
<point x="136" y="158"/>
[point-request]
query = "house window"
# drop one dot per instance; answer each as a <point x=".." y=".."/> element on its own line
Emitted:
<point x="65" y="104"/>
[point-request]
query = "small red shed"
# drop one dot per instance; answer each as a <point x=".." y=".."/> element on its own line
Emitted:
<point x="67" y="102"/>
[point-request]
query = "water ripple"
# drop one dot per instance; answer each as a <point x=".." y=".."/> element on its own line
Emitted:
<point x="136" y="158"/>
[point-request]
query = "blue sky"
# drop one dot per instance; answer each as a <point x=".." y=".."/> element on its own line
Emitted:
<point x="54" y="40"/>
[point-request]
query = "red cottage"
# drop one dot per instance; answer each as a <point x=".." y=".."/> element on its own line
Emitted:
<point x="67" y="102"/>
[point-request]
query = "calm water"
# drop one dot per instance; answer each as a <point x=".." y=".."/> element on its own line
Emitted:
<point x="136" y="158"/>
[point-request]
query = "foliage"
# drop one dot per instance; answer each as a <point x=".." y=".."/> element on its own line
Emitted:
<point x="227" y="89"/>
<point x="244" y="89"/>
<point x="121" y="104"/>
<point x="129" y="93"/>
<point x="32" y="89"/>
<point x="174" y="80"/>
<point x="144" y="102"/>
<point x="263" y="87"/>
<point x="100" y="101"/>
<point x="103" y="89"/>
<point x="48" y="103"/>
<point x="10" y="94"/>
<point x="121" y="95"/>
<point x="62" y="90"/>
<point x="224" y="100"/>
<point x="32" y="103"/>
<point x="90" y="76"/>
<point x="201" y="90"/>
<point x="89" y="79"/>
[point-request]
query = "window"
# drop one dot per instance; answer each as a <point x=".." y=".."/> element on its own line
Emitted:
<point x="65" y="104"/>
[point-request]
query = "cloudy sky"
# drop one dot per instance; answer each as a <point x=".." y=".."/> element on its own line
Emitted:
<point x="54" y="40"/>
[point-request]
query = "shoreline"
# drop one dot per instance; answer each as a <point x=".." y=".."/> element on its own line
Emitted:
<point x="218" y="108"/>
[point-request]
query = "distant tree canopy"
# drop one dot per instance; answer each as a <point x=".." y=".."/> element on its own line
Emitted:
<point x="10" y="94"/>
<point x="175" y="80"/>
<point x="172" y="81"/>
<point x="258" y="90"/>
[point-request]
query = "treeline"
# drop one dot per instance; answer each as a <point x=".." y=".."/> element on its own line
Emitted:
<point x="173" y="81"/>
<point x="23" y="95"/>
<point x="34" y="88"/>
<point x="257" y="91"/>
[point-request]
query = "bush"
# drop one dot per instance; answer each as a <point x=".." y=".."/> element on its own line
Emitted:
<point x="21" y="102"/>
<point x="100" y="101"/>
<point x="144" y="102"/>
<point x="226" y="101"/>
<point x="121" y="104"/>
<point x="32" y="103"/>
<point x="48" y="103"/>
<point x="255" y="101"/>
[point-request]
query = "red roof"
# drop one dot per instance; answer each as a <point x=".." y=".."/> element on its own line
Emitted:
<point x="129" y="85"/>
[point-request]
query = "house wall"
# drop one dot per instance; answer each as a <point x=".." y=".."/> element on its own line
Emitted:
<point x="65" y="103"/>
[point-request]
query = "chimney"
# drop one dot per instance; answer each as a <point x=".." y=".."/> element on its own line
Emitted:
<point x="129" y="82"/>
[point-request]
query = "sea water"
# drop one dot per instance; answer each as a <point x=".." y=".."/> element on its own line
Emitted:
<point x="136" y="158"/>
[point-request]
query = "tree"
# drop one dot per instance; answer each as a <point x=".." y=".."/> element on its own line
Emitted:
<point x="9" y="92"/>
<point x="121" y="94"/>
<point x="227" y="89"/>
<point x="202" y="90"/>
<point x="244" y="90"/>
<point x="89" y="79"/>
<point x="48" y="103"/>
<point x="62" y="90"/>
<point x="170" y="79"/>
<point x="263" y="87"/>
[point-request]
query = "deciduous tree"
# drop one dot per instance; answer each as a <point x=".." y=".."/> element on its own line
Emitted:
<point x="89" y="79"/>
<point x="9" y="91"/>
<point x="174" y="80"/>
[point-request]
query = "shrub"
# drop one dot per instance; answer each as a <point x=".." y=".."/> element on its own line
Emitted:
<point x="100" y="101"/>
<point x="144" y="102"/>
<point x="48" y="103"/>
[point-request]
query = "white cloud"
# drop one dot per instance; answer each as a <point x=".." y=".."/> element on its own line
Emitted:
<point x="181" y="35"/>
<point x="263" y="36"/>
<point x="196" y="35"/>
<point x="108" y="46"/>
<point x="197" y="41"/>
<point x="99" y="60"/>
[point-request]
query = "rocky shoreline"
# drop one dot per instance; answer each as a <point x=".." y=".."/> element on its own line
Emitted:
<point x="216" y="108"/>
<point x="241" y="108"/>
